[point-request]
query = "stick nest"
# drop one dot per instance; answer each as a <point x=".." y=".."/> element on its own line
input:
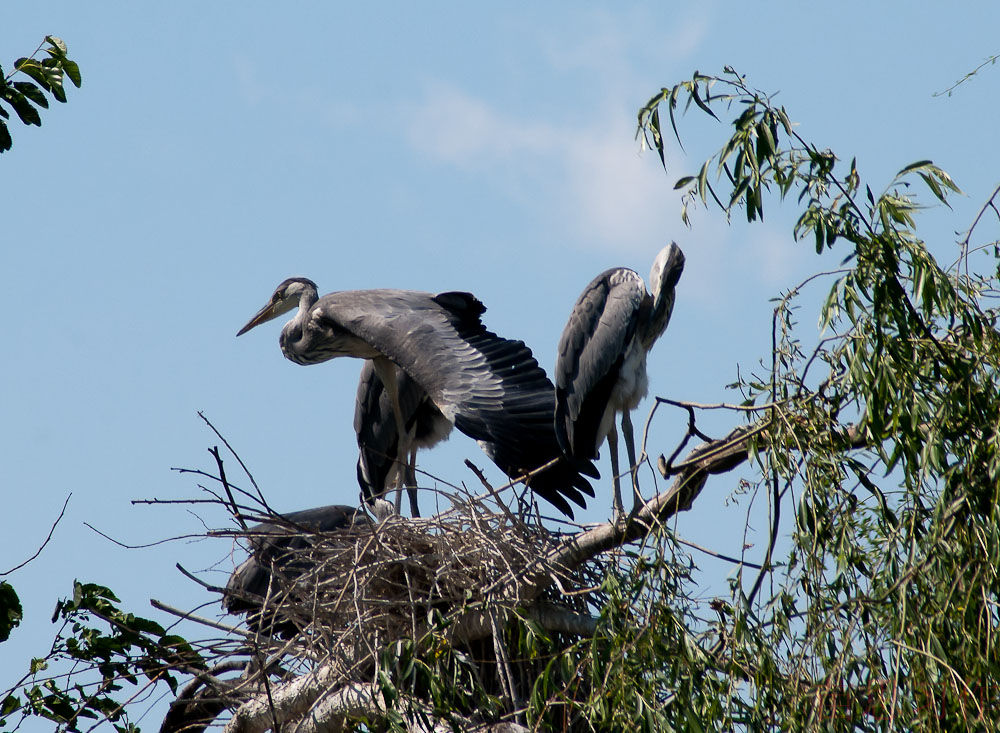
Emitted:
<point x="358" y="588"/>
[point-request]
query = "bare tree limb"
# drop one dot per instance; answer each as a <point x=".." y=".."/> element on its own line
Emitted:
<point x="47" y="538"/>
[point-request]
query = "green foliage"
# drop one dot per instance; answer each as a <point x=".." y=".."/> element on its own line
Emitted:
<point x="434" y="680"/>
<point x="645" y="669"/>
<point x="10" y="610"/>
<point x="102" y="659"/>
<point x="46" y="75"/>
<point x="885" y="431"/>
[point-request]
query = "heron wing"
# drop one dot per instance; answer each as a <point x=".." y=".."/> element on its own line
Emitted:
<point x="590" y="356"/>
<point x="491" y="388"/>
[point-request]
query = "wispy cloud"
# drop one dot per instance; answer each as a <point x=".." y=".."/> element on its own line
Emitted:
<point x="586" y="170"/>
<point x="594" y="178"/>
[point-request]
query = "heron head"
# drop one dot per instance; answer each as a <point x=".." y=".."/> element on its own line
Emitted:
<point x="667" y="268"/>
<point x="286" y="297"/>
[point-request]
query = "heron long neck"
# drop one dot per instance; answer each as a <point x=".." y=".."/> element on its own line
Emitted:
<point x="659" y="316"/>
<point x="294" y="340"/>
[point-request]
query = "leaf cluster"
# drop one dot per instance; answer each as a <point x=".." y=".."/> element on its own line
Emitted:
<point x="882" y="434"/>
<point x="10" y="610"/>
<point x="102" y="659"/>
<point x="46" y="76"/>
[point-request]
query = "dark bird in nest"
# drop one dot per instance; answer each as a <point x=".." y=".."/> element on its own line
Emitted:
<point x="278" y="559"/>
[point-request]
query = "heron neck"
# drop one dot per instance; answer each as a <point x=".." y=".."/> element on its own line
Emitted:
<point x="292" y="335"/>
<point x="659" y="316"/>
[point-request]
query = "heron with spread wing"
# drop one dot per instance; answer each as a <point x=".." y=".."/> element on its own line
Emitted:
<point x="601" y="363"/>
<point x="490" y="388"/>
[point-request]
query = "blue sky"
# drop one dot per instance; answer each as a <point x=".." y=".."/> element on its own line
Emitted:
<point x="217" y="148"/>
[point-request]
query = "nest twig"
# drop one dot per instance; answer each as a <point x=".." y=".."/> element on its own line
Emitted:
<point x="359" y="588"/>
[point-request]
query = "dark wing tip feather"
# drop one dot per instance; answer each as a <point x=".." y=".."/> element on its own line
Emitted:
<point x="464" y="305"/>
<point x="519" y="434"/>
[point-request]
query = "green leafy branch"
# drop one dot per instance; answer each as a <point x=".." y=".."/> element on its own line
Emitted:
<point x="46" y="77"/>
<point x="886" y="608"/>
<point x="100" y="658"/>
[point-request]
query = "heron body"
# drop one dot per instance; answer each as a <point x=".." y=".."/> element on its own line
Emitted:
<point x="601" y="362"/>
<point x="490" y="388"/>
<point x="387" y="460"/>
<point x="278" y="560"/>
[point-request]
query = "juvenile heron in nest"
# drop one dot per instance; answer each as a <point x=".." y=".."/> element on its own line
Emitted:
<point x="277" y="560"/>
<point x="490" y="388"/>
<point x="601" y="364"/>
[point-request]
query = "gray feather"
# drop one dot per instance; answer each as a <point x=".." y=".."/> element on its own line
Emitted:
<point x="599" y="330"/>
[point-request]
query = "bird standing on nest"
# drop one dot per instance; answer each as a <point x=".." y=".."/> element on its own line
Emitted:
<point x="601" y="364"/>
<point x="381" y="465"/>
<point x="490" y="388"/>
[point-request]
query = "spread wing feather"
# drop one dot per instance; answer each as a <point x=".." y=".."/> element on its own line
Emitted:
<point x="491" y="388"/>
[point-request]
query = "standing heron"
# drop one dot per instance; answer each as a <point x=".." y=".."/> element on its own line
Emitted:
<point x="601" y="365"/>
<point x="387" y="460"/>
<point x="490" y="388"/>
<point x="278" y="560"/>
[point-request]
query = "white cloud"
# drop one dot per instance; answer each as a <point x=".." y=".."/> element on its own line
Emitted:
<point x="612" y="43"/>
<point x="459" y="129"/>
<point x="595" y="180"/>
<point x="583" y="170"/>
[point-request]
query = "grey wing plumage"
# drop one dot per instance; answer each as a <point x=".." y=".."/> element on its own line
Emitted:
<point x="591" y="352"/>
<point x="277" y="560"/>
<point x="520" y="438"/>
<point x="491" y="388"/>
<point x="417" y="331"/>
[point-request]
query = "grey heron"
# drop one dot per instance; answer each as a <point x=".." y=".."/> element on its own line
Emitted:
<point x="386" y="460"/>
<point x="490" y="388"/>
<point x="601" y="363"/>
<point x="255" y="588"/>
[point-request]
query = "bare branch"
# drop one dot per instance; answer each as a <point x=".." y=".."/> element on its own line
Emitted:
<point x="47" y="538"/>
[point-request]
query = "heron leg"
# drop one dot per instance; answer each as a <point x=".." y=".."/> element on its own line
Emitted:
<point x="411" y="483"/>
<point x="629" y="434"/>
<point x="613" y="450"/>
<point x="386" y="371"/>
<point x="398" y="502"/>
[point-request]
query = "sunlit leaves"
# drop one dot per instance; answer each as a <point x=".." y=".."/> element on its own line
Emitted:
<point x="26" y="97"/>
<point x="108" y="649"/>
<point x="887" y="433"/>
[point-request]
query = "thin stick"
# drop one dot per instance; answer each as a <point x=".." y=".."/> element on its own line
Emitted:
<point x="235" y="455"/>
<point x="734" y="560"/>
<point x="125" y="546"/>
<point x="225" y="485"/>
<point x="189" y="616"/>
<point x="51" y="530"/>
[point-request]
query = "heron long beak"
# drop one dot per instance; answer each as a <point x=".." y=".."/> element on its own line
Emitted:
<point x="265" y="314"/>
